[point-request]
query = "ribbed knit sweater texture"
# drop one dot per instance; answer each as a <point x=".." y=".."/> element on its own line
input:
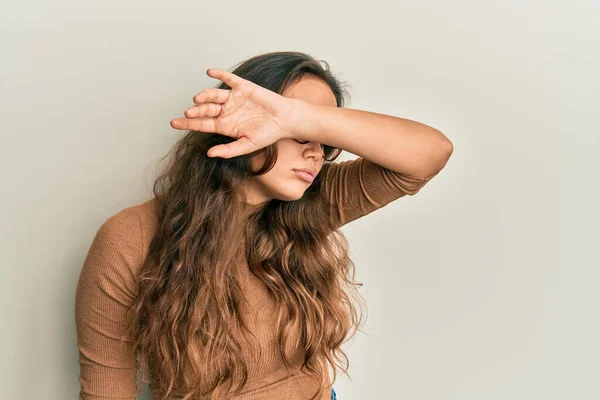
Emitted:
<point x="106" y="288"/>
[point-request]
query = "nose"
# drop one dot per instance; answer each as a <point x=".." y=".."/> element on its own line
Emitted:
<point x="314" y="148"/>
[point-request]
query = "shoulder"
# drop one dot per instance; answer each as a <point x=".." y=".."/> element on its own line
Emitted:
<point x="146" y="216"/>
<point x="120" y="244"/>
<point x="107" y="282"/>
<point x="142" y="217"/>
<point x="123" y="228"/>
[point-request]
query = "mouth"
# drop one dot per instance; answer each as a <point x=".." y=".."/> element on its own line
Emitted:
<point x="305" y="174"/>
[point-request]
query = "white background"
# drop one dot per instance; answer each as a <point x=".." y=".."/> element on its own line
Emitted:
<point x="482" y="286"/>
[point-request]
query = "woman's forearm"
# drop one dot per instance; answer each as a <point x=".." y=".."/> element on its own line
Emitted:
<point x="399" y="144"/>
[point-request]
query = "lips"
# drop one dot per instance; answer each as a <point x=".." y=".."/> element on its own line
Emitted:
<point x="305" y="175"/>
<point x="312" y="172"/>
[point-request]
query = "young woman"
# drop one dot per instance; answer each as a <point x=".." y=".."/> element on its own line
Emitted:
<point x="234" y="281"/>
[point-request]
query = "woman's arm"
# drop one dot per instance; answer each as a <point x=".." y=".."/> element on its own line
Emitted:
<point x="397" y="156"/>
<point x="108" y="368"/>
<point x="355" y="188"/>
<point x="401" y="145"/>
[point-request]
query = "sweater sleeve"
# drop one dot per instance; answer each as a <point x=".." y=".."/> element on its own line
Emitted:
<point x="355" y="188"/>
<point x="105" y="289"/>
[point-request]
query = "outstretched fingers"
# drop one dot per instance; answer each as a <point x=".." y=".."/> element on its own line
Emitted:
<point x="229" y="78"/>
<point x="212" y="95"/>
<point x="237" y="148"/>
<point x="208" y="125"/>
<point x="203" y="110"/>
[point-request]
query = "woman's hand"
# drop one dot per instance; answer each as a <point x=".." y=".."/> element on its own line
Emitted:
<point x="255" y="116"/>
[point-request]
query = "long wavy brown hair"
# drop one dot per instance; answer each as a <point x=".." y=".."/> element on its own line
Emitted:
<point x="186" y="322"/>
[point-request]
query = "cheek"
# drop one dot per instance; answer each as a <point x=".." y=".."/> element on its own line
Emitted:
<point x="282" y="181"/>
<point x="277" y="178"/>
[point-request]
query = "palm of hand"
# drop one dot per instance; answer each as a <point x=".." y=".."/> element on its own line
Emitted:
<point x="255" y="116"/>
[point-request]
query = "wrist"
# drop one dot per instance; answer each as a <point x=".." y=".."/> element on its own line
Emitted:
<point x="298" y="124"/>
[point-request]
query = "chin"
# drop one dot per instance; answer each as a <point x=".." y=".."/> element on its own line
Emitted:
<point x="289" y="191"/>
<point x="291" y="196"/>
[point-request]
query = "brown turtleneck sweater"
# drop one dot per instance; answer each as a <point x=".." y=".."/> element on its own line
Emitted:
<point x="106" y="284"/>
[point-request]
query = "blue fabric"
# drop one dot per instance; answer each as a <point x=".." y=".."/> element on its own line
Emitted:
<point x="333" y="395"/>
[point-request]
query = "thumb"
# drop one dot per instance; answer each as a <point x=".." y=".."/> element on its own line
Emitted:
<point x="236" y="148"/>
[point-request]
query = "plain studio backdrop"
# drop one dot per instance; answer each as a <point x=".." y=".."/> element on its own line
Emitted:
<point x="482" y="286"/>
